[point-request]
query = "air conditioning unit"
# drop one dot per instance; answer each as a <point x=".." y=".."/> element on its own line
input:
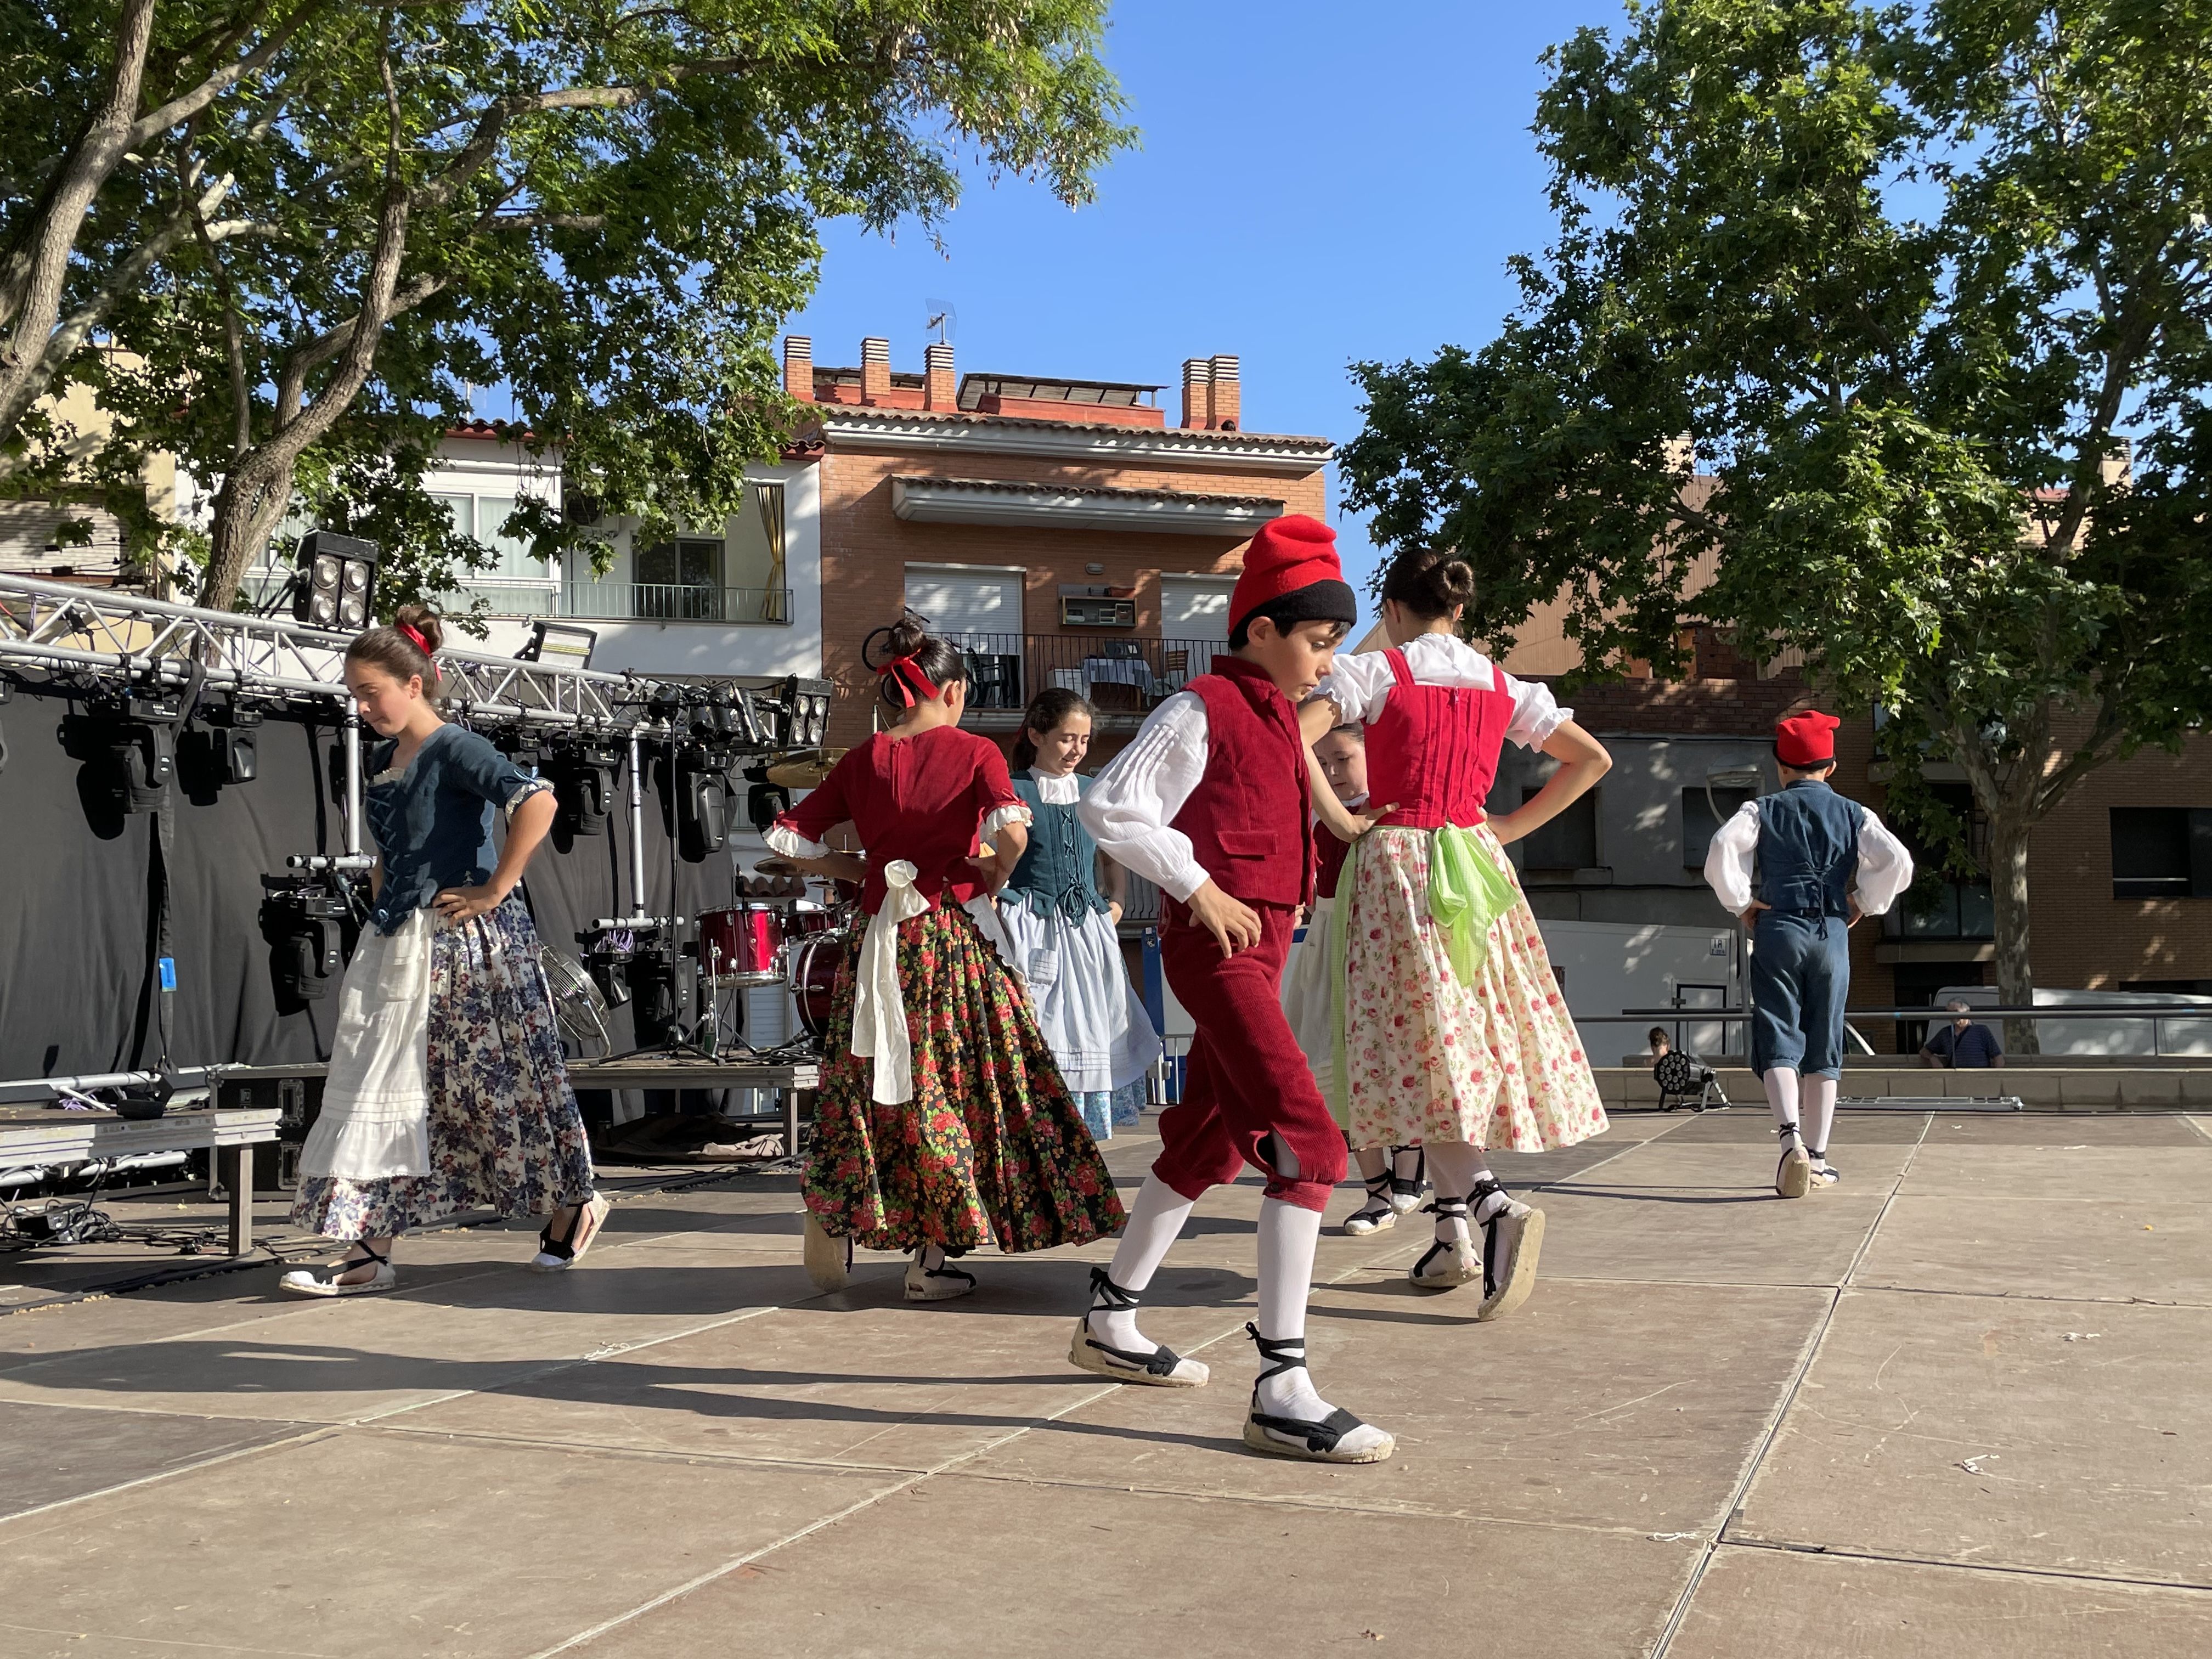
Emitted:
<point x="1097" y="607"/>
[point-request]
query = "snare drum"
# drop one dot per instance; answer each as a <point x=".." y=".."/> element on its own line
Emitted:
<point x="815" y="960"/>
<point x="742" y="945"/>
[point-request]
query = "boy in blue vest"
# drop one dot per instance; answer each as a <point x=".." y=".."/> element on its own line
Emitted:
<point x="1800" y="868"/>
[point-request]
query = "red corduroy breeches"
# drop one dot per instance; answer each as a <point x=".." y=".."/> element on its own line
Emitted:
<point x="1247" y="1078"/>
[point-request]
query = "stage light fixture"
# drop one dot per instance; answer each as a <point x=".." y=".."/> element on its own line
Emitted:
<point x="335" y="587"/>
<point x="807" y="705"/>
<point x="560" y="642"/>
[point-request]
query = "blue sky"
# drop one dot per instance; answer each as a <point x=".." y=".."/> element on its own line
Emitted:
<point x="1316" y="183"/>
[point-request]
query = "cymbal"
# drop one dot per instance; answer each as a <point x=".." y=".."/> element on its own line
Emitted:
<point x="777" y="868"/>
<point x="808" y="774"/>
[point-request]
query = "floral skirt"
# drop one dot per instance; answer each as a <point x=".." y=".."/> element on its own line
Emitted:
<point x="991" y="1149"/>
<point x="504" y="1131"/>
<point x="1427" y="1058"/>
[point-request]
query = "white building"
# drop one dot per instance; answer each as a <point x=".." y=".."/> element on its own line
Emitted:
<point x="742" y="599"/>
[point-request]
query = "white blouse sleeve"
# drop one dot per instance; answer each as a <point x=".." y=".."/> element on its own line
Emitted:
<point x="1536" y="713"/>
<point x="782" y="839"/>
<point x="1128" y="806"/>
<point x="1359" y="686"/>
<point x="999" y="819"/>
<point x="1729" y="859"/>
<point x="1885" y="867"/>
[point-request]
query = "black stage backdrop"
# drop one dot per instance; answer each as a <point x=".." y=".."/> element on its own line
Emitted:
<point x="79" y="880"/>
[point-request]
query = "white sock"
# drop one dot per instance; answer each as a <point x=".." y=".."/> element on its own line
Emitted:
<point x="1820" y="1117"/>
<point x="1156" y="1220"/>
<point x="1781" y="1083"/>
<point x="1459" y="1168"/>
<point x="931" y="1256"/>
<point x="1406" y="1163"/>
<point x="1287" y="1237"/>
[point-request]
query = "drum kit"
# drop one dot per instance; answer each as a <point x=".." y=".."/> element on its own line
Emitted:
<point x="784" y="940"/>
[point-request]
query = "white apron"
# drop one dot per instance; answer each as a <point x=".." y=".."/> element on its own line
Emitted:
<point x="376" y="1104"/>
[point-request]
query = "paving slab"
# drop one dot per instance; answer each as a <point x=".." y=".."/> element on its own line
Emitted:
<point x="984" y="1569"/>
<point x="53" y="1454"/>
<point x="2119" y="1251"/>
<point x="2063" y="1129"/>
<point x="882" y="1384"/>
<point x="1759" y="1604"/>
<point x="1869" y="1166"/>
<point x="374" y="1545"/>
<point x="2052" y="1435"/>
<point x="352" y="1359"/>
<point x="1753" y="1125"/>
<point x="1595" y="1404"/>
<point x="1687" y="1236"/>
<point x="2074" y="1172"/>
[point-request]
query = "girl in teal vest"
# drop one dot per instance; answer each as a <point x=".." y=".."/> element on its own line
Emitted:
<point x="1058" y="913"/>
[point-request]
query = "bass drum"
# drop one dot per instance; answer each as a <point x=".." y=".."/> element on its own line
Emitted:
<point x="814" y="958"/>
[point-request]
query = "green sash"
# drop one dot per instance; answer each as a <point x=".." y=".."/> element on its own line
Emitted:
<point x="1467" y="893"/>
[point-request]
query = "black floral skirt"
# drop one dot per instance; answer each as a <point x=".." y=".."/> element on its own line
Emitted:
<point x="991" y="1149"/>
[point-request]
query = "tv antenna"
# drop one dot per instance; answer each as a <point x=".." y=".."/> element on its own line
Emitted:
<point x="942" y="318"/>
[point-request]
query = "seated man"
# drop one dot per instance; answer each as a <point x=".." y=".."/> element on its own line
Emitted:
<point x="1965" y="1042"/>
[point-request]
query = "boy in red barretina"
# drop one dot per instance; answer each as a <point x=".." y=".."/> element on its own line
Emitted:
<point x="1213" y="802"/>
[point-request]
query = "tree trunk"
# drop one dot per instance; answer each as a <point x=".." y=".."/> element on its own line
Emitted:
<point x="37" y="268"/>
<point x="248" y="510"/>
<point x="2009" y="827"/>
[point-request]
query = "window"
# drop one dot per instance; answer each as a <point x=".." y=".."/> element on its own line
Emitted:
<point x="679" y="579"/>
<point x="1569" y="841"/>
<point x="2161" y="851"/>
<point x="1700" y="826"/>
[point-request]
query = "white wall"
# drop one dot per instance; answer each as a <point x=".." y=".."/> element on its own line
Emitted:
<point x="1609" y="966"/>
<point x="749" y="650"/>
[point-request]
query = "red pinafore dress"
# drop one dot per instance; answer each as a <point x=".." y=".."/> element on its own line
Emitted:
<point x="1490" y="1057"/>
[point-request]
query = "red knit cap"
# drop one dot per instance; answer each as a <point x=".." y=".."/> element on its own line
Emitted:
<point x="1289" y="554"/>
<point x="1807" y="740"/>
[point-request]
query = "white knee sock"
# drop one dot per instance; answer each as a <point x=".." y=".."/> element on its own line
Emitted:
<point x="1156" y="1220"/>
<point x="1820" y="1116"/>
<point x="1781" y="1082"/>
<point x="1288" y="1236"/>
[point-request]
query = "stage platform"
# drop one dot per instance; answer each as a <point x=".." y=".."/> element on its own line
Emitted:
<point x="1954" y="1409"/>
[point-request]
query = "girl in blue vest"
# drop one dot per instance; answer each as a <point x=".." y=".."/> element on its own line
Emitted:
<point x="1059" y="913"/>
<point x="1800" y="868"/>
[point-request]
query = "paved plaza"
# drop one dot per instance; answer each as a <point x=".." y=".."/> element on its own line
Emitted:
<point x="1956" y="1407"/>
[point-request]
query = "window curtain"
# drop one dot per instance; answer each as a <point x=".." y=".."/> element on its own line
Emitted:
<point x="770" y="499"/>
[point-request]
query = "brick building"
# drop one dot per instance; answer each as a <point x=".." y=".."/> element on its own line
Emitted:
<point x="2119" y="879"/>
<point x="1063" y="530"/>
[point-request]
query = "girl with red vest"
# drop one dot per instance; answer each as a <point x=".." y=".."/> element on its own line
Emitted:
<point x="1454" y="1033"/>
<point x="1210" y="801"/>
<point x="942" y="1123"/>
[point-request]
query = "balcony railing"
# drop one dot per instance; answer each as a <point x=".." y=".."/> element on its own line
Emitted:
<point x="1118" y="674"/>
<point x="675" y="602"/>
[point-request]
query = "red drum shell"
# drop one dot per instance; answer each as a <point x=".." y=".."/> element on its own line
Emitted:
<point x="742" y="945"/>
<point x="815" y="961"/>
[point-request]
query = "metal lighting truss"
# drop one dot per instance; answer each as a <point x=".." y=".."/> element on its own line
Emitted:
<point x="57" y="625"/>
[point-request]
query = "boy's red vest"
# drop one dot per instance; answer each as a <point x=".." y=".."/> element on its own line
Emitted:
<point x="1248" y="819"/>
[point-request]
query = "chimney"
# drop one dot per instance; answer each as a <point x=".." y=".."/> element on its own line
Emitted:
<point x="939" y="389"/>
<point x="1196" y="371"/>
<point x="1225" y="405"/>
<point x="875" y="371"/>
<point x="799" y="367"/>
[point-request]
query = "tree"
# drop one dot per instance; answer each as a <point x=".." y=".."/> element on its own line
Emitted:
<point x="1851" y="317"/>
<point x="608" y="206"/>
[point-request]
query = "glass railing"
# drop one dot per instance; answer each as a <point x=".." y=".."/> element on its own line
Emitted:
<point x="1956" y="910"/>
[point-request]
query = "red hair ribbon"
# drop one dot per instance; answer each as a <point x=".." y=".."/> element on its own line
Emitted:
<point x="414" y="634"/>
<point x="913" y="685"/>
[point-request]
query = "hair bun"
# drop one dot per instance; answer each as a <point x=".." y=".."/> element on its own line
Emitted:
<point x="908" y="635"/>
<point x="424" y="621"/>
